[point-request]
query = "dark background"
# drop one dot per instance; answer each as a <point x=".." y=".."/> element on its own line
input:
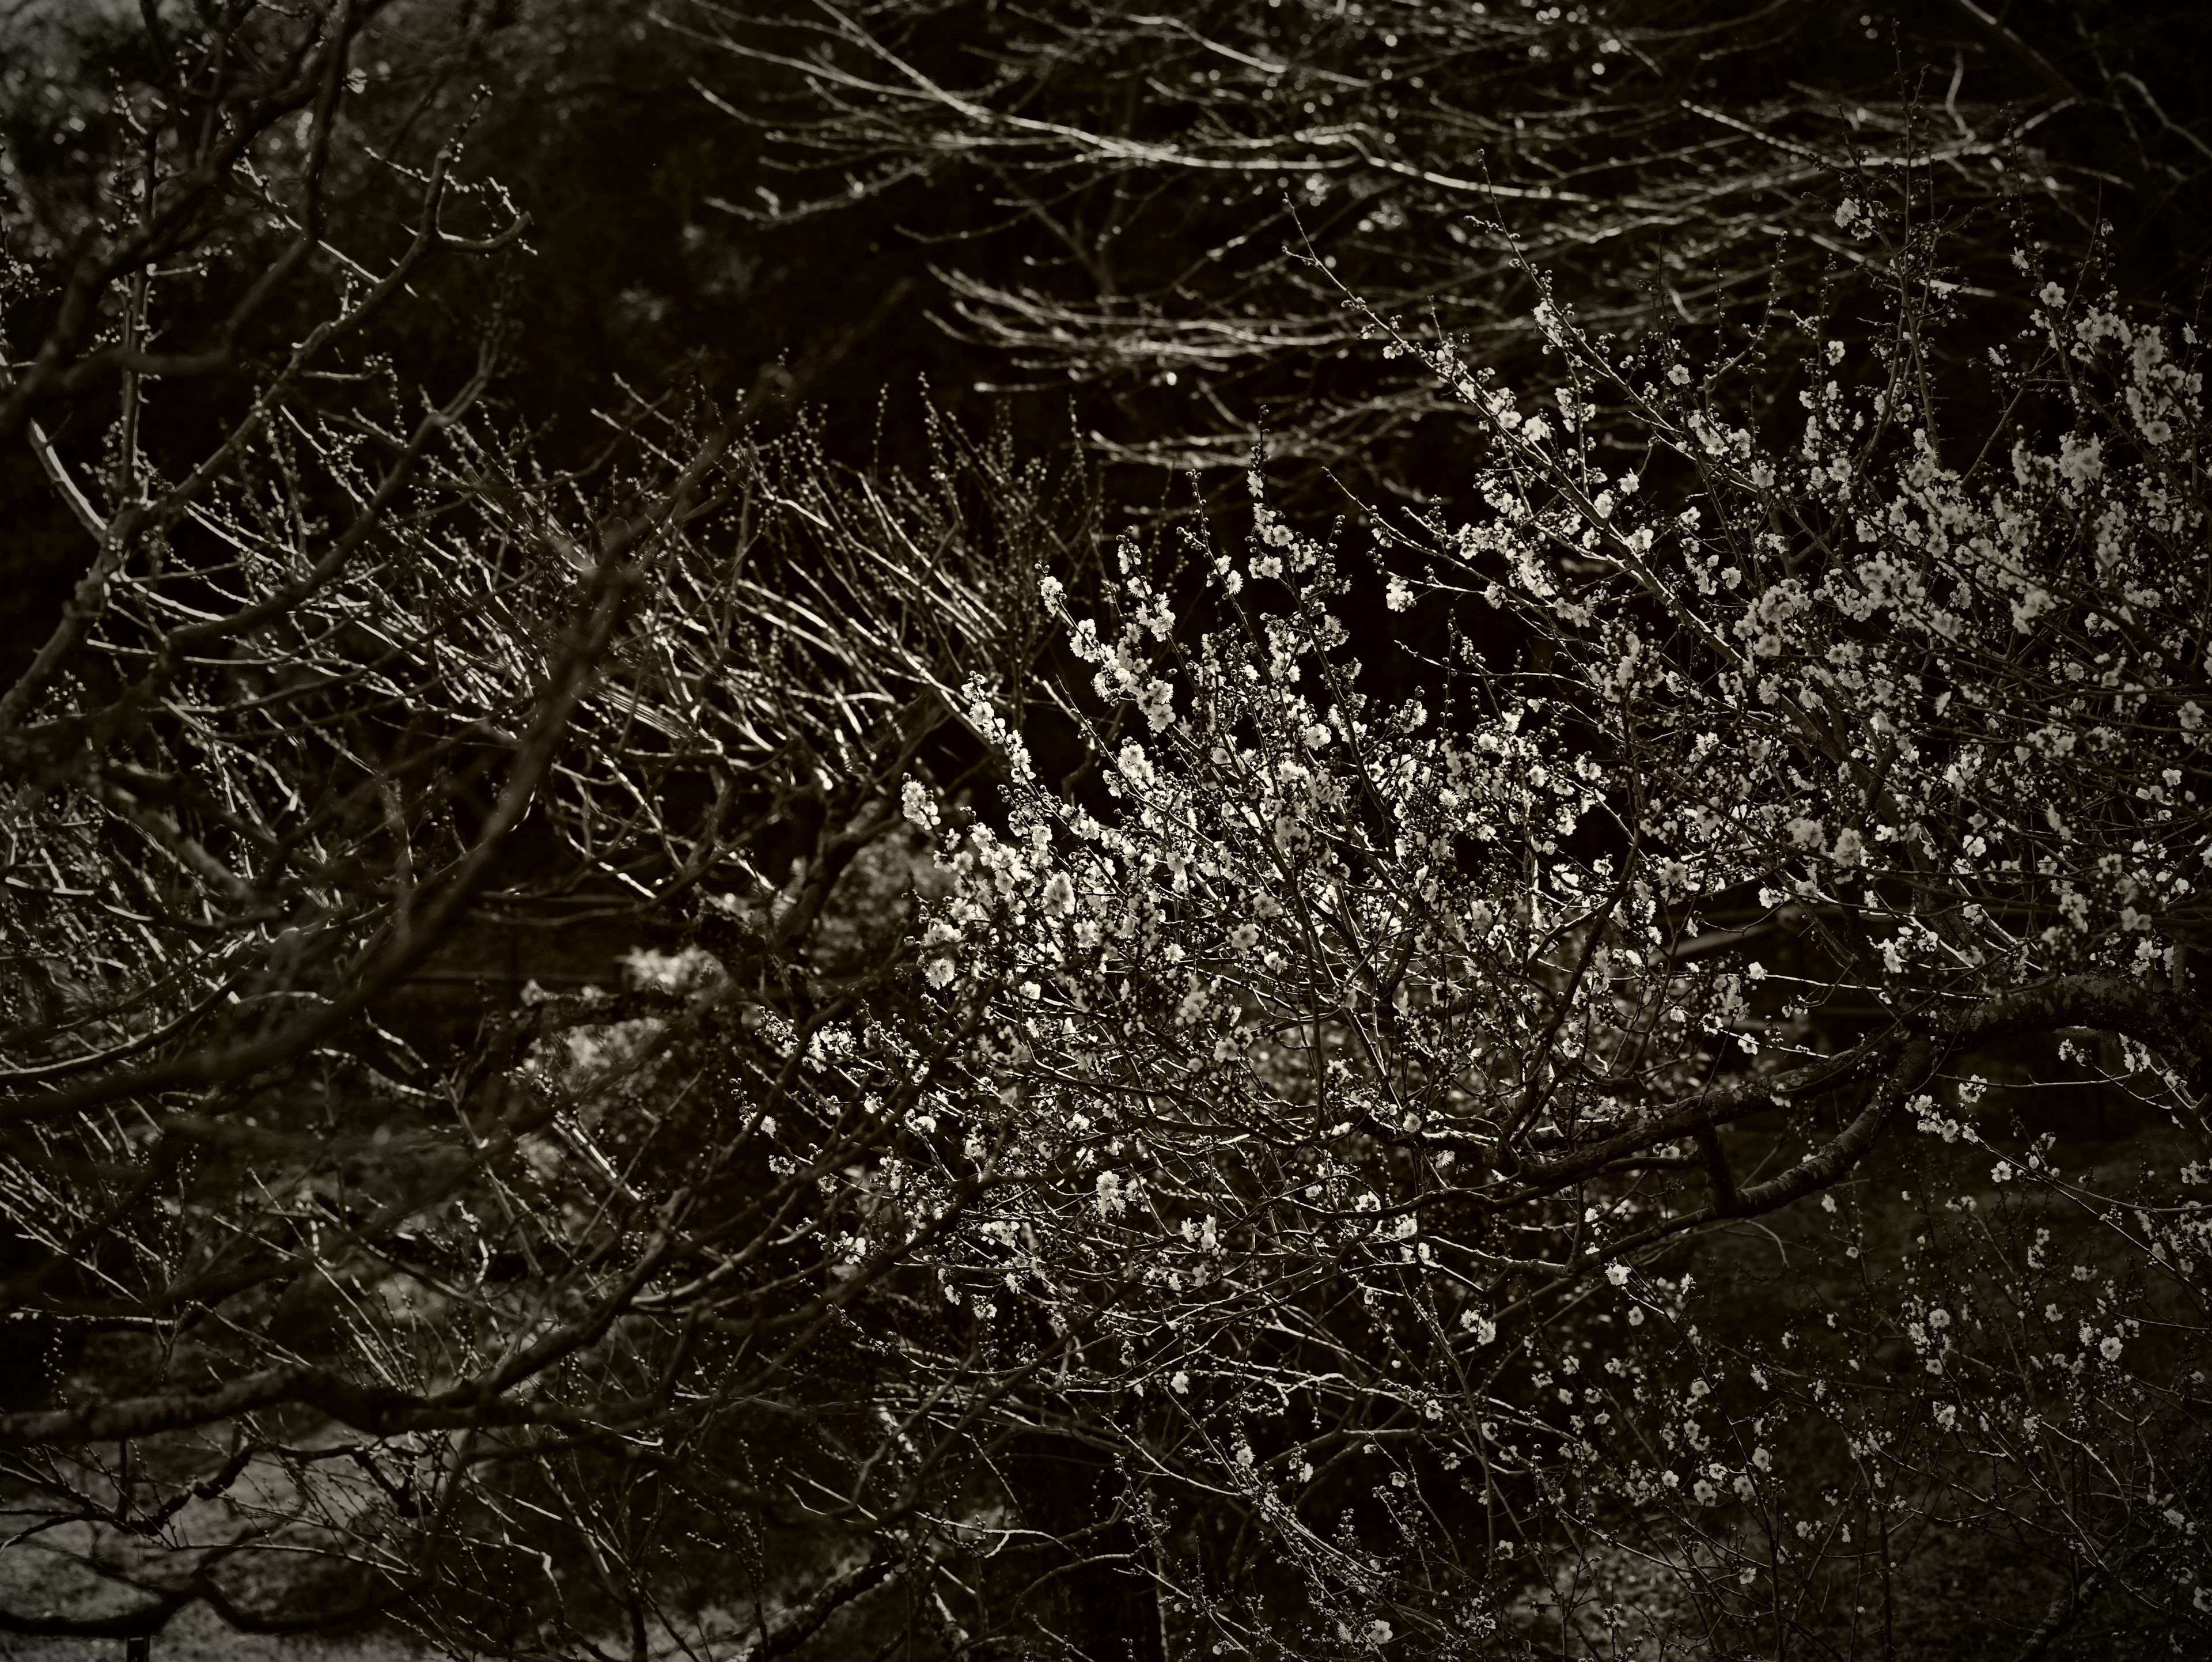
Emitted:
<point x="700" y="212"/>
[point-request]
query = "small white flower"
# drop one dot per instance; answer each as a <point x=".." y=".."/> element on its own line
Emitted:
<point x="2080" y="460"/>
<point x="1680" y="374"/>
<point x="2110" y="1350"/>
<point x="1060" y="895"/>
<point x="914" y="802"/>
<point x="1617" y="1274"/>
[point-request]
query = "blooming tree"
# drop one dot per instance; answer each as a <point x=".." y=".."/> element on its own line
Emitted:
<point x="1158" y="1148"/>
<point x="1377" y="1069"/>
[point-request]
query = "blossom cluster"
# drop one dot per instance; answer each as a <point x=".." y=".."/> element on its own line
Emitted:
<point x="1363" y="1060"/>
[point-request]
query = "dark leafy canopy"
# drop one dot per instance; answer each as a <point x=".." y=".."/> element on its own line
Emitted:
<point x="1065" y="1125"/>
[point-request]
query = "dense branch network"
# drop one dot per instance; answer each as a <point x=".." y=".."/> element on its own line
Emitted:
<point x="1098" y="1128"/>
